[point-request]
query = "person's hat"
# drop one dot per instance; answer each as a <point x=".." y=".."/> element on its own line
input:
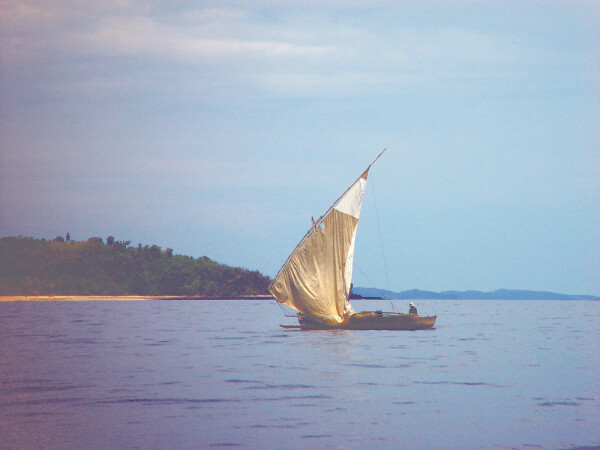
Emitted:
<point x="412" y="304"/>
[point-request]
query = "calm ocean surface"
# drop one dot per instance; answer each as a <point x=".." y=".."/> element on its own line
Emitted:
<point x="189" y="374"/>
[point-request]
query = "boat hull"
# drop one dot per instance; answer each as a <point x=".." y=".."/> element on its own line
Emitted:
<point x="372" y="320"/>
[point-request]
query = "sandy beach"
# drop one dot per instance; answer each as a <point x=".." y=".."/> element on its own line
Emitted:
<point x="76" y="298"/>
<point x="87" y="298"/>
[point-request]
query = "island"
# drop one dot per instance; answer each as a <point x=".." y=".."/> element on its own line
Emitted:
<point x="66" y="269"/>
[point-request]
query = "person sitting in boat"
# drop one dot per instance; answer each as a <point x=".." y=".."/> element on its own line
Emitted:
<point x="412" y="309"/>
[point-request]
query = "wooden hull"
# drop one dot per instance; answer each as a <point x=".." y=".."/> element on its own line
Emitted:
<point x="372" y="320"/>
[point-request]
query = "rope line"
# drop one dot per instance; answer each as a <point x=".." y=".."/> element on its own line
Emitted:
<point x="385" y="265"/>
<point x="364" y="275"/>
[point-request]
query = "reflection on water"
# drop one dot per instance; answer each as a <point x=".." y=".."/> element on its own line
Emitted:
<point x="184" y="374"/>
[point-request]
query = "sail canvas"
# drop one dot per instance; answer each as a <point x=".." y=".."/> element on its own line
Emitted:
<point x="316" y="278"/>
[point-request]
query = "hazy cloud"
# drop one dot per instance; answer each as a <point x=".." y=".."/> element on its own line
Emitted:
<point x="237" y="49"/>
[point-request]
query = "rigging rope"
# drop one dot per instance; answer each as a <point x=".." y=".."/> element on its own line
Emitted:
<point x="364" y="275"/>
<point x="387" y="276"/>
<point x="285" y="312"/>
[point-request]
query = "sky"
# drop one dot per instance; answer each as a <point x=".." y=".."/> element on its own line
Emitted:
<point x="218" y="128"/>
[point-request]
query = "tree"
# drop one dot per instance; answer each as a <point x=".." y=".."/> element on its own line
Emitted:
<point x="37" y="267"/>
<point x="110" y="240"/>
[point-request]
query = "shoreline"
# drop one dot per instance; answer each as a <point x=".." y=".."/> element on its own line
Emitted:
<point x="93" y="298"/>
<point x="88" y="298"/>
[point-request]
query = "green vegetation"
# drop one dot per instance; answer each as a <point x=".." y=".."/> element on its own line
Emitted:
<point x="31" y="266"/>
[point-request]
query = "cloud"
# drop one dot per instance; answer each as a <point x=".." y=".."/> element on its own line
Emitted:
<point x="144" y="36"/>
<point x="240" y="50"/>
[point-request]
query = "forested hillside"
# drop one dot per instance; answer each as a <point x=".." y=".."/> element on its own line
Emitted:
<point x="31" y="266"/>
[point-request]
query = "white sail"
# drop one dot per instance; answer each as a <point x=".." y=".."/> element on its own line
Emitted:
<point x="316" y="278"/>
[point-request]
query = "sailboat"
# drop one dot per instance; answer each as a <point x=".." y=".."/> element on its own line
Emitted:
<point x="316" y="278"/>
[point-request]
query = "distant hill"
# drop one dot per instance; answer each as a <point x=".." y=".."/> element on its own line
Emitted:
<point x="31" y="266"/>
<point x="499" y="294"/>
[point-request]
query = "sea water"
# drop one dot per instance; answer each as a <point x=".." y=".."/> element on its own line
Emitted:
<point x="198" y="374"/>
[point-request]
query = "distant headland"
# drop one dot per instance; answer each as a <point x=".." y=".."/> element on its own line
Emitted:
<point x="498" y="294"/>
